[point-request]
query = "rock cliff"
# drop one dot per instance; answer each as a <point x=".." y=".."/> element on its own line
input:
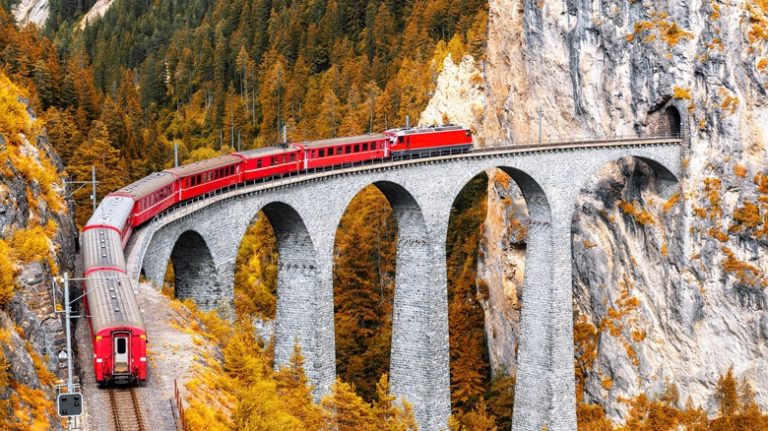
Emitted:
<point x="38" y="239"/>
<point x="32" y="11"/>
<point x="676" y="289"/>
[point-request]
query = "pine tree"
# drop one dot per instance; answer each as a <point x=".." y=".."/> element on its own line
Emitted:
<point x="351" y="412"/>
<point x="110" y="169"/>
<point x="727" y="394"/>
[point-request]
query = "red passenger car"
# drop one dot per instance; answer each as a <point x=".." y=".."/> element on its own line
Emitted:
<point x="343" y="151"/>
<point x="429" y="140"/>
<point x="151" y="194"/>
<point x="119" y="335"/>
<point x="270" y="162"/>
<point x="206" y="176"/>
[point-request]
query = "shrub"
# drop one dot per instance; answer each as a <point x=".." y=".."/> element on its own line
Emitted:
<point x="7" y="273"/>
<point x="740" y="171"/>
<point x="31" y="244"/>
<point x="681" y="93"/>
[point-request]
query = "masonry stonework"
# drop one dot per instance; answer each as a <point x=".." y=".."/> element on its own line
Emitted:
<point x="305" y="213"/>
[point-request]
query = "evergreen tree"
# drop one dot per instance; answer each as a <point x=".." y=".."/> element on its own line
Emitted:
<point x="110" y="169"/>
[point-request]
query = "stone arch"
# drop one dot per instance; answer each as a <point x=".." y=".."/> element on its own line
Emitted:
<point x="663" y="179"/>
<point x="195" y="275"/>
<point x="410" y="372"/>
<point x="613" y="245"/>
<point x="534" y="348"/>
<point x="297" y="280"/>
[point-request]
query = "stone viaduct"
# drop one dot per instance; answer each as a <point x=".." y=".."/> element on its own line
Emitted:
<point x="203" y="237"/>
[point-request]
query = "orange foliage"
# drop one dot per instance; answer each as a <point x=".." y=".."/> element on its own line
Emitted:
<point x="744" y="272"/>
<point x="740" y="170"/>
<point x="31" y="244"/>
<point x="7" y="273"/>
<point x="642" y="216"/>
<point x="681" y="93"/>
<point x="364" y="286"/>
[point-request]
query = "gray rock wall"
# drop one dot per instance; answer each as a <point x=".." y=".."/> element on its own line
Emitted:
<point x="601" y="68"/>
<point x="29" y="320"/>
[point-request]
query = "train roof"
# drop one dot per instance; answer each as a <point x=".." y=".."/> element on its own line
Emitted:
<point x="146" y="185"/>
<point x="112" y="211"/>
<point x="204" y="165"/>
<point x="102" y="248"/>
<point x="344" y="141"/>
<point x="420" y="130"/>
<point x="267" y="151"/>
<point x="111" y="302"/>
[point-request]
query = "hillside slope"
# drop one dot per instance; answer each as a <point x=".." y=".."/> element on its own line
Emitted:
<point x="37" y="241"/>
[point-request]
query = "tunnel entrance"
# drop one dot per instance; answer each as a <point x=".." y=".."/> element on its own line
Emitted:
<point x="665" y="122"/>
<point x="674" y="121"/>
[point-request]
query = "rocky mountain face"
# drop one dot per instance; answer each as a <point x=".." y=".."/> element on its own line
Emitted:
<point x="37" y="12"/>
<point x="32" y="11"/>
<point x="675" y="290"/>
<point x="32" y="333"/>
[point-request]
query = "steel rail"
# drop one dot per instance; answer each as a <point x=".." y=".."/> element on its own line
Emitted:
<point x="120" y="406"/>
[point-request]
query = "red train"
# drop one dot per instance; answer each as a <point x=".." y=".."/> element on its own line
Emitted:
<point x="117" y="328"/>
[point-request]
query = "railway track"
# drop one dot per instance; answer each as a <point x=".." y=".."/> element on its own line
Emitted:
<point x="126" y="410"/>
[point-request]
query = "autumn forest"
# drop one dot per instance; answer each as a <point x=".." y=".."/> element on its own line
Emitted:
<point x="217" y="76"/>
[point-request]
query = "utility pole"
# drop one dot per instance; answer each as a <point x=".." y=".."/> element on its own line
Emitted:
<point x="407" y="121"/>
<point x="67" y="316"/>
<point x="83" y="184"/>
<point x="370" y="122"/>
<point x="176" y="154"/>
<point x="285" y="134"/>
<point x="93" y="179"/>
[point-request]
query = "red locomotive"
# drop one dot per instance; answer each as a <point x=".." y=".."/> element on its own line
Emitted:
<point x="118" y="332"/>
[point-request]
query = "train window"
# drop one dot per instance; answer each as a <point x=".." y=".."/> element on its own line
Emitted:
<point x="357" y="148"/>
<point x="293" y="157"/>
<point x="122" y="346"/>
<point x="365" y="146"/>
<point x="330" y="151"/>
<point x="258" y="163"/>
<point x="322" y="153"/>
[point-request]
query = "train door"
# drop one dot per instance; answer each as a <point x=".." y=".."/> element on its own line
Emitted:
<point x="121" y="353"/>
